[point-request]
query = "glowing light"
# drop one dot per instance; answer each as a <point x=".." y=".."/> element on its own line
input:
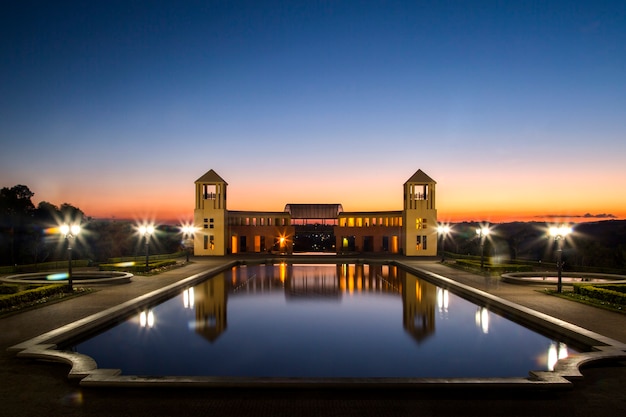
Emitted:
<point x="555" y="353"/>
<point x="57" y="277"/>
<point x="443" y="229"/>
<point x="125" y="264"/>
<point x="482" y="319"/>
<point x="69" y="230"/>
<point x="482" y="231"/>
<point x="560" y="231"/>
<point x="188" y="229"/>
<point x="443" y="299"/>
<point x="146" y="229"/>
<point x="146" y="319"/>
<point x="188" y="298"/>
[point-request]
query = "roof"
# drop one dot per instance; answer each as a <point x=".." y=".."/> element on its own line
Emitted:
<point x="211" y="176"/>
<point x="420" y="177"/>
<point x="313" y="211"/>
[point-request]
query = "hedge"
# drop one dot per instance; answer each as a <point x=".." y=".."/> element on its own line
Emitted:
<point x="493" y="268"/>
<point x="607" y="293"/>
<point x="143" y="258"/>
<point x="31" y="295"/>
<point x="136" y="267"/>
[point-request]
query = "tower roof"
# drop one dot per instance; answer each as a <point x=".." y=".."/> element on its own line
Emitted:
<point x="210" y="177"/>
<point x="420" y="177"/>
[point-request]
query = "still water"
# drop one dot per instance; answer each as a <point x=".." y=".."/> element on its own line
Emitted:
<point x="321" y="321"/>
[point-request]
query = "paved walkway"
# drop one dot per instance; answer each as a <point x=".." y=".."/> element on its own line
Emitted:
<point x="32" y="388"/>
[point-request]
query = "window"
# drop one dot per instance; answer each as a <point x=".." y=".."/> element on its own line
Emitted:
<point x="212" y="242"/>
<point x="206" y="242"/>
<point x="211" y="223"/>
<point x="420" y="223"/>
<point x="421" y="243"/>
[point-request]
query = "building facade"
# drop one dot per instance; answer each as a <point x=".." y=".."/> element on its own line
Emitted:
<point x="411" y="231"/>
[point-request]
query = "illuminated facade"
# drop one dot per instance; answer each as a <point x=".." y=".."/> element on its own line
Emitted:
<point x="411" y="231"/>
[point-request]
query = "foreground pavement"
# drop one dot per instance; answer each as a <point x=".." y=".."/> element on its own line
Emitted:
<point x="30" y="388"/>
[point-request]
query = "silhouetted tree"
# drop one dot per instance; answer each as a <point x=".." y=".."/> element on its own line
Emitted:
<point x="16" y="213"/>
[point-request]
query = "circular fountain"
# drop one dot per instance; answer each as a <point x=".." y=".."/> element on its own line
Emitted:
<point x="78" y="278"/>
<point x="568" y="278"/>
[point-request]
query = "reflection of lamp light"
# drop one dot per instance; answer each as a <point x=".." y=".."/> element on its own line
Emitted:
<point x="443" y="299"/>
<point x="559" y="234"/>
<point x="556" y="351"/>
<point x="146" y="319"/>
<point x="443" y="230"/>
<point x="146" y="231"/>
<point x="188" y="298"/>
<point x="482" y="319"/>
<point x="69" y="232"/>
<point x="482" y="232"/>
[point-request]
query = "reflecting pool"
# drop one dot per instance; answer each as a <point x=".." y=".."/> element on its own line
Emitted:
<point x="317" y="321"/>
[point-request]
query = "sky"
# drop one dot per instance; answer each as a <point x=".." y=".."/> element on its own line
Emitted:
<point x="517" y="109"/>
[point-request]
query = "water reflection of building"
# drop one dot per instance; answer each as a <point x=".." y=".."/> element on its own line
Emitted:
<point x="419" y="301"/>
<point x="318" y="281"/>
<point x="419" y="298"/>
<point x="411" y="231"/>
<point x="210" y="300"/>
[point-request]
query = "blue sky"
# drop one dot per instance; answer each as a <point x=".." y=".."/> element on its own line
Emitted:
<point x="118" y="106"/>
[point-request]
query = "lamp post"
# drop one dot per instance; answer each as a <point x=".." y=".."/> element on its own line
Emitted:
<point x="69" y="233"/>
<point x="443" y="232"/>
<point x="188" y="232"/>
<point x="146" y="231"/>
<point x="559" y="234"/>
<point x="482" y="233"/>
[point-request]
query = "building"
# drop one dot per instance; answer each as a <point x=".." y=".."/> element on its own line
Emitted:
<point x="411" y="231"/>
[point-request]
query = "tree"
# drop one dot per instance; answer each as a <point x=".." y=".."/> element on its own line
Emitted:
<point x="16" y="214"/>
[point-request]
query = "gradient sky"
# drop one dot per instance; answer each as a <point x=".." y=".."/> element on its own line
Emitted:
<point x="516" y="108"/>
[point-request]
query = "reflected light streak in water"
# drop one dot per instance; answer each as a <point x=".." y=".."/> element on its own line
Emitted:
<point x="556" y="352"/>
<point x="188" y="298"/>
<point x="482" y="319"/>
<point x="146" y="319"/>
<point x="443" y="300"/>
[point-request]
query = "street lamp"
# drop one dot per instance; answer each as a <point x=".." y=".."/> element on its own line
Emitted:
<point x="482" y="233"/>
<point x="146" y="231"/>
<point x="188" y="232"/>
<point x="69" y="233"/>
<point x="559" y="234"/>
<point x="443" y="231"/>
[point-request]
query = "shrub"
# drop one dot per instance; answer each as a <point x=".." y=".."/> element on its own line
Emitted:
<point x="606" y="293"/>
<point x="136" y="267"/>
<point x="493" y="268"/>
<point x="30" y="295"/>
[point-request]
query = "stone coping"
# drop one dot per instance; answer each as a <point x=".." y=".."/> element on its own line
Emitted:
<point x="85" y="370"/>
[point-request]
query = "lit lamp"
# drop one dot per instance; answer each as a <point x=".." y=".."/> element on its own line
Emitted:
<point x="69" y="233"/>
<point x="146" y="231"/>
<point x="188" y="232"/>
<point x="482" y="233"/>
<point x="559" y="234"/>
<point x="443" y="231"/>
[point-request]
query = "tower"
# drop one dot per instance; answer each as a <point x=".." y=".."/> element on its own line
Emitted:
<point x="210" y="215"/>
<point x="420" y="216"/>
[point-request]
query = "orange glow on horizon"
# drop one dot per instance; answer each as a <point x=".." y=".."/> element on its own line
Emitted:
<point x="471" y="198"/>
